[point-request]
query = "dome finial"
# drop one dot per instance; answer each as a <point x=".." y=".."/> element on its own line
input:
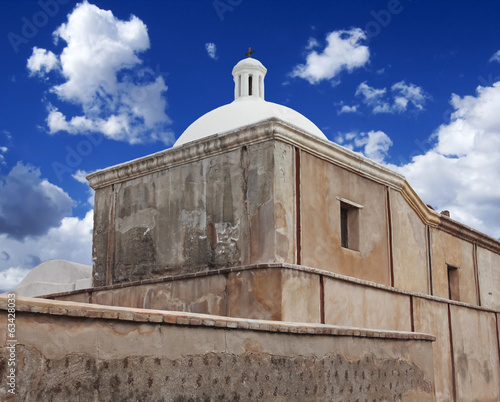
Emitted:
<point x="250" y="52"/>
<point x="248" y="77"/>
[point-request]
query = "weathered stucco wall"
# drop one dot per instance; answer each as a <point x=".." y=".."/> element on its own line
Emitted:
<point x="230" y="209"/>
<point x="410" y="261"/>
<point x="67" y="351"/>
<point x="475" y="354"/>
<point x="361" y="306"/>
<point x="432" y="317"/>
<point x="321" y="184"/>
<point x="489" y="278"/>
<point x="450" y="250"/>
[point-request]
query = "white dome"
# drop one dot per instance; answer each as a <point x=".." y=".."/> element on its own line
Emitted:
<point x="248" y="108"/>
<point x="244" y="112"/>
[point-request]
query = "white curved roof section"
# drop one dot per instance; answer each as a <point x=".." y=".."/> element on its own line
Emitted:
<point x="248" y="108"/>
<point x="244" y="112"/>
<point x="55" y="276"/>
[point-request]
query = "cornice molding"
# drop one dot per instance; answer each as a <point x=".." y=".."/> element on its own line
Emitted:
<point x="271" y="129"/>
<point x="426" y="215"/>
<point x="276" y="129"/>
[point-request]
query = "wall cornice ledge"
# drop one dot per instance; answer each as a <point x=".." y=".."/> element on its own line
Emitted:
<point x="264" y="131"/>
<point x="465" y="232"/>
<point x="427" y="215"/>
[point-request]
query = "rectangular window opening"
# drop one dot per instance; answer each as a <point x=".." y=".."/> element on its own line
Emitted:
<point x="349" y="225"/>
<point x="453" y="283"/>
<point x="344" y="229"/>
<point x="250" y="79"/>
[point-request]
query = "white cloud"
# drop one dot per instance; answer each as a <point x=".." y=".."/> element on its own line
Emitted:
<point x="42" y="61"/>
<point x="80" y="176"/>
<point x="312" y="43"/>
<point x="71" y="241"/>
<point x="347" y="109"/>
<point x="369" y="93"/>
<point x="408" y="93"/>
<point x="373" y="144"/>
<point x="3" y="150"/>
<point x="396" y="101"/>
<point x="10" y="278"/>
<point x="461" y="172"/>
<point x="120" y="98"/>
<point x="211" y="49"/>
<point x="343" y="51"/>
<point x="496" y="56"/>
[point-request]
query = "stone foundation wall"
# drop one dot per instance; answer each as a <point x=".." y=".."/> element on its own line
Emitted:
<point x="72" y="351"/>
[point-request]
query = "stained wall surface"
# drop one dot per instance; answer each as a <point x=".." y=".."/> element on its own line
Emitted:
<point x="322" y="186"/>
<point x="410" y="257"/>
<point x="432" y="317"/>
<point x="230" y="209"/>
<point x="489" y="278"/>
<point x="81" y="358"/>
<point x="448" y="250"/>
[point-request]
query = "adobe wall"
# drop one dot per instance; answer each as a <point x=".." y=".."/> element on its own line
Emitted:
<point x="465" y="354"/>
<point x="271" y="194"/>
<point x="229" y="209"/>
<point x="72" y="351"/>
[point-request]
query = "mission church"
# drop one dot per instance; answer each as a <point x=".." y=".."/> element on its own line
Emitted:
<point x="309" y="259"/>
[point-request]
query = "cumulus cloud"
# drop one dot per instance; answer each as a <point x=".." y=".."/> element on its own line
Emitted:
<point x="30" y="205"/>
<point x="397" y="100"/>
<point x="211" y="49"/>
<point x="347" y="109"/>
<point x="3" y="151"/>
<point x="496" y="56"/>
<point x="344" y="51"/>
<point x="460" y="172"/>
<point x="373" y="144"/>
<point x="10" y="278"/>
<point x="71" y="241"/>
<point x="42" y="61"/>
<point x="103" y="75"/>
<point x="80" y="176"/>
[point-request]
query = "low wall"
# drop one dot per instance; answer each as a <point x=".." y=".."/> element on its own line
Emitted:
<point x="73" y="351"/>
<point x="465" y="354"/>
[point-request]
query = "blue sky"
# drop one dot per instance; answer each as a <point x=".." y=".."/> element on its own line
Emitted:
<point x="414" y="85"/>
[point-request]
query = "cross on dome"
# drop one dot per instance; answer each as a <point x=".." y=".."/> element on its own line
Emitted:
<point x="250" y="52"/>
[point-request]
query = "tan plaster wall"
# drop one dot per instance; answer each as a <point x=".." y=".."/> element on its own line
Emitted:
<point x="365" y="307"/>
<point x="230" y="209"/>
<point x="431" y="317"/>
<point x="489" y="278"/>
<point x="202" y="295"/>
<point x="321" y="183"/>
<point x="410" y="260"/>
<point x="66" y="358"/>
<point x="447" y="249"/>
<point x="284" y="203"/>
<point x="254" y="294"/>
<point x="300" y="297"/>
<point x="475" y="347"/>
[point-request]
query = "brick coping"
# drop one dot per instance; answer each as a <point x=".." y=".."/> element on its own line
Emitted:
<point x="302" y="268"/>
<point x="96" y="311"/>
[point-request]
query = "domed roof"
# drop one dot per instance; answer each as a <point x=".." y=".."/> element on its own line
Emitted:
<point x="244" y="112"/>
<point x="248" y="108"/>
